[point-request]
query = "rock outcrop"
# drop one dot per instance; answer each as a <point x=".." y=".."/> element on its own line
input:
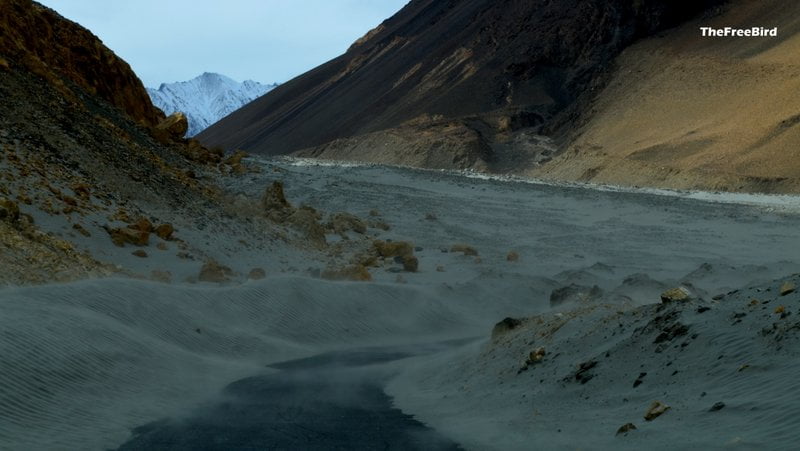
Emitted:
<point x="64" y="53"/>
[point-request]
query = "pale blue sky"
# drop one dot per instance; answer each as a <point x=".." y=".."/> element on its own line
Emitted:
<point x="263" y="40"/>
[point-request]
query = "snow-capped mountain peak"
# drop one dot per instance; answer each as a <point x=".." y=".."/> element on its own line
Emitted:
<point x="206" y="98"/>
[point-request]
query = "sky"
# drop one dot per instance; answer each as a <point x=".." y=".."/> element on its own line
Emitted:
<point x="264" y="40"/>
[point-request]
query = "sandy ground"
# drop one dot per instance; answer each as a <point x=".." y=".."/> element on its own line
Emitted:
<point x="87" y="362"/>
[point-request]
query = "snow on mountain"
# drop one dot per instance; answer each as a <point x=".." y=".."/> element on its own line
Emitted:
<point x="206" y="99"/>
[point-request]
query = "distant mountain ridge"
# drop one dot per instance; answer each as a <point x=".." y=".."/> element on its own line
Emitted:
<point x="206" y="98"/>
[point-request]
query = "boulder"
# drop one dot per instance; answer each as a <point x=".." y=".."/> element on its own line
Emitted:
<point x="176" y="125"/>
<point x="125" y="235"/>
<point x="164" y="231"/>
<point x="625" y="428"/>
<point x="9" y="210"/>
<point x="214" y="272"/>
<point x="142" y="225"/>
<point x="235" y="158"/>
<point x="656" y="409"/>
<point x="679" y="294"/>
<point x="410" y="263"/>
<point x="161" y="276"/>
<point x="341" y="223"/>
<point x="504" y="326"/>
<point x="257" y="274"/>
<point x="512" y="256"/>
<point x="274" y="202"/>
<point x="351" y="272"/>
<point x="536" y="356"/>
<point x="306" y="220"/>
<point x="389" y="249"/>
<point x="787" y="288"/>
<point x="464" y="249"/>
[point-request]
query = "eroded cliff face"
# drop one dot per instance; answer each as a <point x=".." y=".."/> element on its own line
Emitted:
<point x="62" y="52"/>
<point x="490" y="65"/>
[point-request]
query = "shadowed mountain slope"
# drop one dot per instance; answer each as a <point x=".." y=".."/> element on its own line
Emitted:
<point x="525" y="62"/>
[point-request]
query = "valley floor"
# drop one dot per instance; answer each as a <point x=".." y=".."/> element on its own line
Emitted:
<point x="85" y="363"/>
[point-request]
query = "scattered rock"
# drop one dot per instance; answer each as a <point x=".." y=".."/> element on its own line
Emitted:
<point x="214" y="272"/>
<point x="235" y="158"/>
<point x="717" y="407"/>
<point x="162" y="246"/>
<point x="512" y="256"/>
<point x="389" y="249"/>
<point x="257" y="274"/>
<point x="374" y="213"/>
<point x="671" y="332"/>
<point x="584" y="373"/>
<point x="80" y="229"/>
<point x="505" y="326"/>
<point x="656" y="409"/>
<point x="81" y="190"/>
<point x="351" y="272"/>
<point x="125" y="235"/>
<point x="780" y="309"/>
<point x="679" y="294"/>
<point x="161" y="276"/>
<point x="306" y="221"/>
<point x="142" y="225"/>
<point x="625" y="428"/>
<point x="9" y="210"/>
<point x="164" y="231"/>
<point x="274" y="202"/>
<point x="431" y="217"/>
<point x="787" y="288"/>
<point x="341" y="223"/>
<point x="464" y="249"/>
<point x="410" y="263"/>
<point x="536" y="356"/>
<point x="379" y="225"/>
<point x="574" y="293"/>
<point x="176" y="125"/>
<point x="439" y="268"/>
<point x="139" y="253"/>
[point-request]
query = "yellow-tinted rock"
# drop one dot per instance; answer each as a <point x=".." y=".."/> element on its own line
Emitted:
<point x="656" y="409"/>
<point x="464" y="249"/>
<point x="351" y="272"/>
<point x="176" y="125"/>
<point x="215" y="272"/>
<point x="125" y="235"/>
<point x="164" y="231"/>
<point x="393" y="248"/>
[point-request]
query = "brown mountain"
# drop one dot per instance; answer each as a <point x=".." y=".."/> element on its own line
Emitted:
<point x="453" y="76"/>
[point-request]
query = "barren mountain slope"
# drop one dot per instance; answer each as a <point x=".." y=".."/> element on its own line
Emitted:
<point x="691" y="112"/>
<point x="487" y="66"/>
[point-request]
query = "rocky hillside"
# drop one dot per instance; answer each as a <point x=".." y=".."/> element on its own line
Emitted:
<point x="88" y="167"/>
<point x="483" y="69"/>
<point x="62" y="52"/>
<point x="206" y="99"/>
<point x="685" y="111"/>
